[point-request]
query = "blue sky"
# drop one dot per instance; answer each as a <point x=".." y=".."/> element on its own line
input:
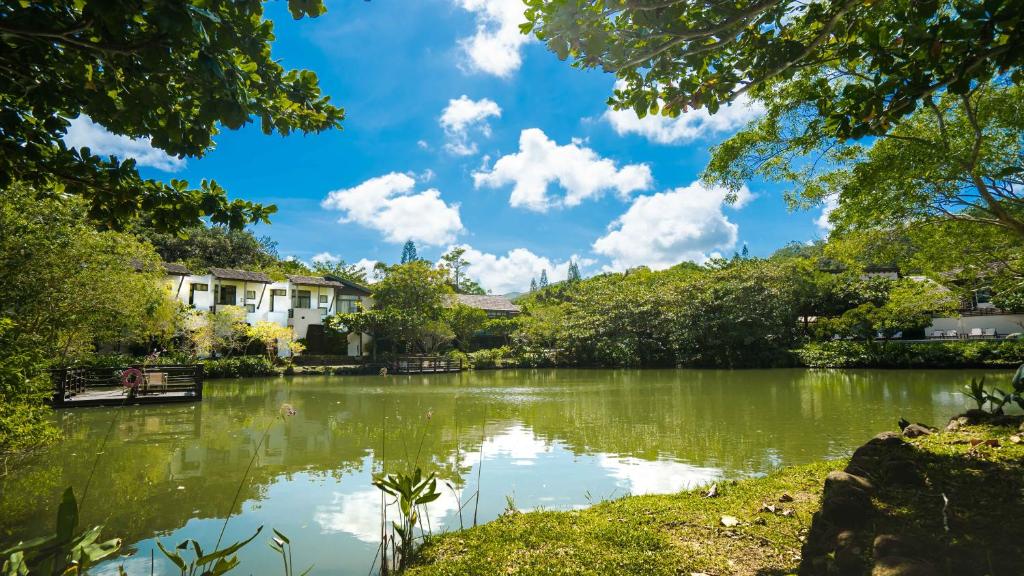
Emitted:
<point x="459" y="131"/>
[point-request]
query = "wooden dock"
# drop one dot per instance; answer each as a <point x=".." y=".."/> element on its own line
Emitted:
<point x="424" y="365"/>
<point x="84" y="387"/>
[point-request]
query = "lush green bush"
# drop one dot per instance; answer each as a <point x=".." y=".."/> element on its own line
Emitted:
<point x="737" y="313"/>
<point x="962" y="354"/>
<point x="325" y="360"/>
<point x="25" y="421"/>
<point x="489" y="358"/>
<point x="239" y="367"/>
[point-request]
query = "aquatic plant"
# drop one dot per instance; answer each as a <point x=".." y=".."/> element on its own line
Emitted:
<point x="411" y="492"/>
<point x="213" y="564"/>
<point x="65" y="552"/>
<point x="283" y="546"/>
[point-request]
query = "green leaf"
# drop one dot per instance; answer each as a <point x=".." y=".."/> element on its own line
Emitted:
<point x="67" y="516"/>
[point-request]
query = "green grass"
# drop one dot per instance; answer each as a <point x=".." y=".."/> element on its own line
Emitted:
<point x="667" y="534"/>
<point x="682" y="534"/>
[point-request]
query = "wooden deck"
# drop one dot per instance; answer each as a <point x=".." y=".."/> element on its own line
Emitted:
<point x="82" y="387"/>
<point x="424" y="365"/>
<point x="118" y="397"/>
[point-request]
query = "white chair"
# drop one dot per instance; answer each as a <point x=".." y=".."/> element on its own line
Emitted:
<point x="156" y="381"/>
<point x="975" y="333"/>
<point x="952" y="334"/>
<point x="990" y="333"/>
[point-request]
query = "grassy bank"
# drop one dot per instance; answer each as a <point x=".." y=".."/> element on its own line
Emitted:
<point x="684" y="533"/>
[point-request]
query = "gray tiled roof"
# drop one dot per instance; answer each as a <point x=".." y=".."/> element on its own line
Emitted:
<point x="242" y="275"/>
<point x="487" y="302"/>
<point x="176" y="269"/>
<point x="314" y="281"/>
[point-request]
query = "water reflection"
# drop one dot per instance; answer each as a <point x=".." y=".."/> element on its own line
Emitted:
<point x="547" y="439"/>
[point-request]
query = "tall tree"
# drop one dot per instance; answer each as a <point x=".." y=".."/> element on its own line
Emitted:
<point x="959" y="157"/>
<point x="543" y="279"/>
<point x="864" y="64"/>
<point x="409" y="252"/>
<point x="171" y="71"/>
<point x="455" y="264"/>
<point x="203" y="246"/>
<point x="533" y="284"/>
<point x="574" y="272"/>
<point x="340" y="269"/>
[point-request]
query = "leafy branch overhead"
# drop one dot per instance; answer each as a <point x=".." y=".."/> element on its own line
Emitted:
<point x="172" y="72"/>
<point x="867" y="64"/>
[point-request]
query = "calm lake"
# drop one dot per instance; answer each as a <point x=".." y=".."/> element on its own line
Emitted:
<point x="553" y="439"/>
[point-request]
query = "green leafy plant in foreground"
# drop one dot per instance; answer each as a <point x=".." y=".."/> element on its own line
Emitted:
<point x="996" y="398"/>
<point x="283" y="546"/>
<point x="64" y="552"/>
<point x="411" y="491"/>
<point x="213" y="564"/>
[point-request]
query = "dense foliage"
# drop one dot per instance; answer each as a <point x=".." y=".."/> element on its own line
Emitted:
<point x="957" y="354"/>
<point x="173" y="72"/>
<point x="958" y="158"/>
<point x="860" y="66"/>
<point x="239" y="367"/>
<point x="65" y="286"/>
<point x="409" y="308"/>
<point x="732" y="314"/>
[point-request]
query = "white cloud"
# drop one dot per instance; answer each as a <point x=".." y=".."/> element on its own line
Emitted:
<point x="83" y="132"/>
<point x="822" y="221"/>
<point x="326" y="258"/>
<point x="389" y="205"/>
<point x="464" y="115"/>
<point x="663" y="229"/>
<point x="367" y="266"/>
<point x="577" y="169"/>
<point x="358" y="513"/>
<point x="494" y="48"/>
<point x="513" y="271"/>
<point x="658" y="477"/>
<point x="688" y="126"/>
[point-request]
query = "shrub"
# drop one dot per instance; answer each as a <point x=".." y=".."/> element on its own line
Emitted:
<point x="489" y="358"/>
<point x="325" y="360"/>
<point x="965" y="354"/>
<point x="239" y="367"/>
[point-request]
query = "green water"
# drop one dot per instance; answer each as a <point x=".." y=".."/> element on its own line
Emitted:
<point x="547" y="439"/>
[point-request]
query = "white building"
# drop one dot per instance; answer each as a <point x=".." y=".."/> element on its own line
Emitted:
<point x="301" y="302"/>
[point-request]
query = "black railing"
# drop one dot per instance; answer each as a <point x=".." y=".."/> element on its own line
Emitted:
<point x="80" y="385"/>
<point x="424" y="365"/>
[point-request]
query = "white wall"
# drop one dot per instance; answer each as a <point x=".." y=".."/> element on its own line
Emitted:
<point x="300" y="319"/>
<point x="1003" y="323"/>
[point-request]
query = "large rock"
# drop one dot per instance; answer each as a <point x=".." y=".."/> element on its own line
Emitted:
<point x="867" y="460"/>
<point x="916" y="430"/>
<point x="902" y="473"/>
<point x="888" y="545"/>
<point x="849" y="556"/>
<point x="902" y="566"/>
<point x="846" y="501"/>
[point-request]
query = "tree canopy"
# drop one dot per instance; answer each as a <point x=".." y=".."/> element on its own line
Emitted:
<point x="861" y="65"/>
<point x="172" y="72"/>
<point x="960" y="157"/>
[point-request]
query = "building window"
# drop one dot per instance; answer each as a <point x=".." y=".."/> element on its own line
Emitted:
<point x="250" y="294"/>
<point x="348" y="304"/>
<point x="228" y="296"/>
<point x="323" y="298"/>
<point x="274" y="293"/>
<point x="302" y="299"/>
<point x="250" y="308"/>
<point x="192" y="289"/>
